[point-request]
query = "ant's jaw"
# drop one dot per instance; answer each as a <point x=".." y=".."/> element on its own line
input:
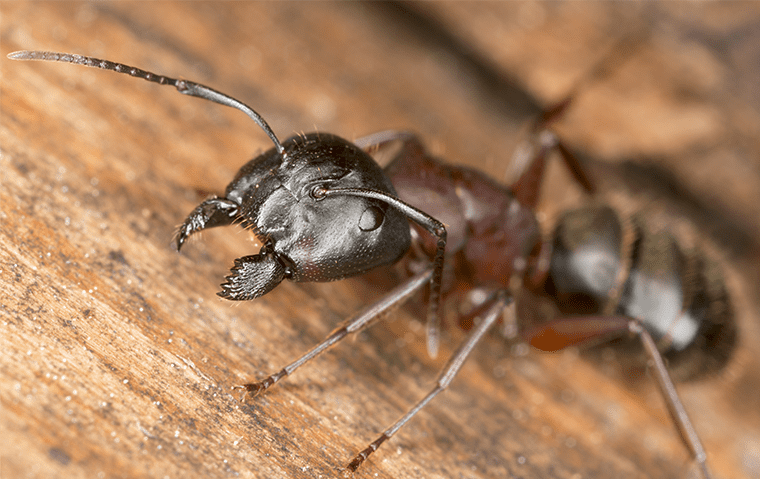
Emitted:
<point x="252" y="277"/>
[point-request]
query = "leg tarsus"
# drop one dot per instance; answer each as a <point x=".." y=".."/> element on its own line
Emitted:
<point x="359" y="459"/>
<point x="254" y="389"/>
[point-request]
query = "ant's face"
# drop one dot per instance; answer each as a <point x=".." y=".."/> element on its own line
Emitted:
<point x="328" y="238"/>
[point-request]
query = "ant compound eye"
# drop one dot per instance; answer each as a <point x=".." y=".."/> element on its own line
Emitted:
<point x="371" y="219"/>
<point x="318" y="192"/>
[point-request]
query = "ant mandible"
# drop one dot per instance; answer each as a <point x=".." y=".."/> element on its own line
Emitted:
<point x="325" y="210"/>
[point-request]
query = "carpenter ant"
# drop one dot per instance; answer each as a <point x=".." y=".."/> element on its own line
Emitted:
<point x="325" y="210"/>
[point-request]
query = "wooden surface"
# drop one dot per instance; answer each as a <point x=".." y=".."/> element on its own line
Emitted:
<point x="117" y="357"/>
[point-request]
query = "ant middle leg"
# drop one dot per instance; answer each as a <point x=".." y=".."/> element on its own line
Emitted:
<point x="501" y="301"/>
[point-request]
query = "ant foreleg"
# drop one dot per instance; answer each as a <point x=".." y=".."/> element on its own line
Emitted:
<point x="385" y="305"/>
<point x="501" y="301"/>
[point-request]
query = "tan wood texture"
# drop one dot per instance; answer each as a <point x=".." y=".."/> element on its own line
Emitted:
<point x="117" y="356"/>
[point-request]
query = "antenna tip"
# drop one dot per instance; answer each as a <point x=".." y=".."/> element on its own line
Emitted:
<point x="20" y="55"/>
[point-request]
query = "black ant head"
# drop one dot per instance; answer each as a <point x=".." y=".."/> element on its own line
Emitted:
<point x="313" y="213"/>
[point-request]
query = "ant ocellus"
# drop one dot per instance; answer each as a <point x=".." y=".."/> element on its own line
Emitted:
<point x="324" y="210"/>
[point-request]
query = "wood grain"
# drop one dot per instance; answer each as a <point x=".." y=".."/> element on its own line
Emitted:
<point x="117" y="357"/>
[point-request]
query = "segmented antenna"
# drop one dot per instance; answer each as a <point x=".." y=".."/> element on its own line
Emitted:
<point x="183" y="86"/>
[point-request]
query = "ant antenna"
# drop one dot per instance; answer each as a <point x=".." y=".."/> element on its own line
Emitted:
<point x="183" y="86"/>
<point x="434" y="227"/>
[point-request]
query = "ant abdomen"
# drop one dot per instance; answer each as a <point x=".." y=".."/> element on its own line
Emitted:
<point x="605" y="265"/>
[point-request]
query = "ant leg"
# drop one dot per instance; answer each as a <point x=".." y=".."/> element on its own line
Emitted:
<point x="538" y="270"/>
<point x="618" y="53"/>
<point x="533" y="154"/>
<point x="576" y="168"/>
<point x="668" y="390"/>
<point x="467" y="319"/>
<point x="210" y="213"/>
<point x="449" y="372"/>
<point x="532" y="151"/>
<point x="379" y="139"/>
<point x="562" y="332"/>
<point x="385" y="305"/>
<point x="529" y="159"/>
